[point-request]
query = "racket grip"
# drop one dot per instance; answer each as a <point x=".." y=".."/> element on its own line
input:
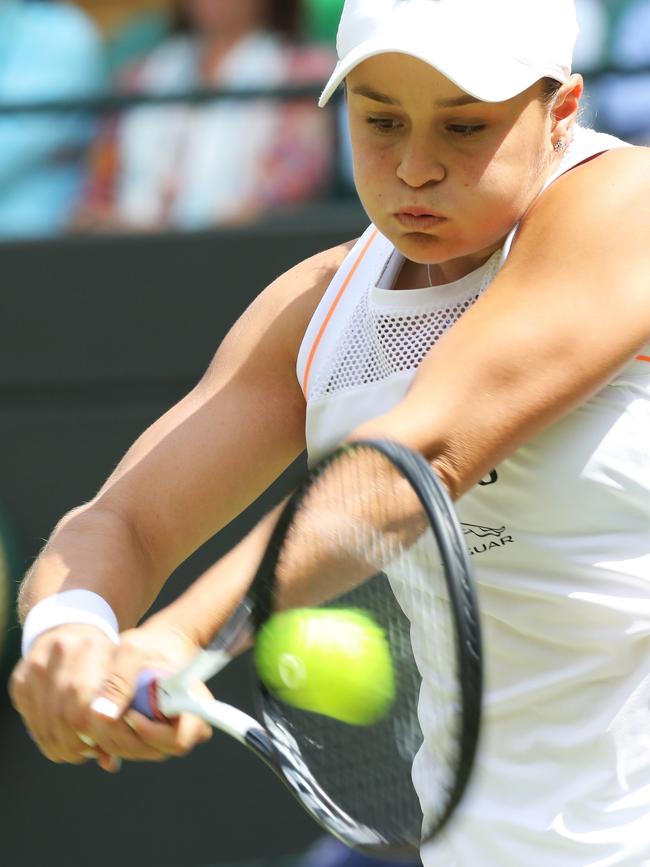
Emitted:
<point x="145" y="699"/>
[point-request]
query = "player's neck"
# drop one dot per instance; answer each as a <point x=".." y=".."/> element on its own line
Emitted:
<point x="414" y="275"/>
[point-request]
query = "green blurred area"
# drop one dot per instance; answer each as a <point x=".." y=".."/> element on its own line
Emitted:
<point x="9" y="632"/>
<point x="323" y="19"/>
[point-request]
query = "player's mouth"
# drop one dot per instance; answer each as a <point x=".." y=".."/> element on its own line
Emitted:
<point x="412" y="217"/>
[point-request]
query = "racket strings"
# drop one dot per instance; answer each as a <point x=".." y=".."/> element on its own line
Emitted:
<point x="358" y="766"/>
<point x="361" y="539"/>
<point x="421" y="591"/>
<point x="357" y="516"/>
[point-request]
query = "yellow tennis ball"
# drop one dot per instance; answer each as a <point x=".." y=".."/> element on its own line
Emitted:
<point x="332" y="661"/>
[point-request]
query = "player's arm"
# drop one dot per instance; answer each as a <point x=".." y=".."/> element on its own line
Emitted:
<point x="189" y="474"/>
<point x="196" y="467"/>
<point x="570" y="307"/>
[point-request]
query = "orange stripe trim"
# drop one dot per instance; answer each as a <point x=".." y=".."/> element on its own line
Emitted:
<point x="643" y="358"/>
<point x="333" y="307"/>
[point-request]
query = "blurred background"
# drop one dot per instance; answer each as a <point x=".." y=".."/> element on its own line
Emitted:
<point x="160" y="162"/>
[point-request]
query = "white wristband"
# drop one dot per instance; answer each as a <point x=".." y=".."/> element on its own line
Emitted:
<point x="71" y="606"/>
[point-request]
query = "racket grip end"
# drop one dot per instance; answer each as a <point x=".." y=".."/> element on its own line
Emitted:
<point x="145" y="699"/>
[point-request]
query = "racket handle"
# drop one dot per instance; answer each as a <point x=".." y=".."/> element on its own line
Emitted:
<point x="145" y="699"/>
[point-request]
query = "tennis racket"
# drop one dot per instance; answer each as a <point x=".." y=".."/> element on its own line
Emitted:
<point x="371" y="529"/>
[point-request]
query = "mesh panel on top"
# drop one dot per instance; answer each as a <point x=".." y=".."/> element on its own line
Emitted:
<point x="384" y="337"/>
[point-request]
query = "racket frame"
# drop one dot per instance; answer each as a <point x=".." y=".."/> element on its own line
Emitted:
<point x="169" y="695"/>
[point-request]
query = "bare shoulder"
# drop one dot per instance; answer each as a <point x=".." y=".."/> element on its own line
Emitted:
<point x="593" y="220"/>
<point x="609" y="189"/>
<point x="608" y="178"/>
<point x="584" y="243"/>
<point x="307" y="281"/>
<point x="289" y="302"/>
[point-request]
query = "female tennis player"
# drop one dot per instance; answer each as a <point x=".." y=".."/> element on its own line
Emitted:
<point x="495" y="317"/>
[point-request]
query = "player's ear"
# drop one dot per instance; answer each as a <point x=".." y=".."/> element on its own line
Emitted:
<point x="565" y="107"/>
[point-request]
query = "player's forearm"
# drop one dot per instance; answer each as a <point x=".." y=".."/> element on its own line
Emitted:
<point x="321" y="556"/>
<point x="303" y="577"/>
<point x="95" y="548"/>
<point x="205" y="606"/>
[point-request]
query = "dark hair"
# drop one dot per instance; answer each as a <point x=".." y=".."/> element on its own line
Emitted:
<point x="550" y="87"/>
<point x="284" y="17"/>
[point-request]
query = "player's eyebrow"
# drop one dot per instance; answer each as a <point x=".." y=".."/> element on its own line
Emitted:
<point x="452" y="102"/>
<point x="375" y="95"/>
<point x="455" y="101"/>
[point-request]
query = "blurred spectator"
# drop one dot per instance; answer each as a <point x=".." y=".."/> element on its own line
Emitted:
<point x="47" y="51"/>
<point x="622" y="100"/>
<point x="146" y="28"/>
<point x="591" y="44"/>
<point x="135" y="38"/>
<point x="631" y="35"/>
<point x="590" y="53"/>
<point x="191" y="166"/>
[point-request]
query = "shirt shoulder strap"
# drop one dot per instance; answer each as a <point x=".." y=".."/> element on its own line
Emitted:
<point x="361" y="267"/>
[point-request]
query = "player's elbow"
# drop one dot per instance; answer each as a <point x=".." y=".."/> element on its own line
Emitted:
<point x="397" y="427"/>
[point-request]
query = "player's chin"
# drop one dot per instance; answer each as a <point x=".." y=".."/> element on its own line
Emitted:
<point x="419" y="246"/>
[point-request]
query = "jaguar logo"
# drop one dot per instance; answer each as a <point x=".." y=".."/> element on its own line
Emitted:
<point x="481" y="531"/>
<point x="485" y="538"/>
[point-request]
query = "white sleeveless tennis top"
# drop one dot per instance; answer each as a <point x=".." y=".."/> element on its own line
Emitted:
<point x="560" y="538"/>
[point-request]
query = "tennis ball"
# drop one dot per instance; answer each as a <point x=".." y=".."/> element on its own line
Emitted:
<point x="332" y="661"/>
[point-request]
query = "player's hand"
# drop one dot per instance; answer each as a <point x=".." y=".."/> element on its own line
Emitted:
<point x="121" y="731"/>
<point x="53" y="686"/>
<point x="68" y="667"/>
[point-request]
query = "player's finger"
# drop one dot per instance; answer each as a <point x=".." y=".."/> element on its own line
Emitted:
<point x="73" y="685"/>
<point x="137" y="650"/>
<point x="133" y="736"/>
<point x="174" y="739"/>
<point x="82" y="753"/>
<point x="109" y="729"/>
<point x="71" y="682"/>
<point x="115" y="694"/>
<point x="52" y="689"/>
<point x="120" y="740"/>
<point x="142" y="649"/>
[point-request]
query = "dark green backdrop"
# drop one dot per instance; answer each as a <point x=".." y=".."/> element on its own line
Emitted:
<point x="98" y="336"/>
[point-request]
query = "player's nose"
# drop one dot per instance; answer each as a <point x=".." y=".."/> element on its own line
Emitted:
<point x="419" y="163"/>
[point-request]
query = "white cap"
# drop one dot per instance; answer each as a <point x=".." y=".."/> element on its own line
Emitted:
<point x="491" y="49"/>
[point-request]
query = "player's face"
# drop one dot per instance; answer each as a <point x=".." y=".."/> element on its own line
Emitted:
<point x="443" y="176"/>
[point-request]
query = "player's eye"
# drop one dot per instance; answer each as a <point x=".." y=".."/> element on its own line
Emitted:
<point x="382" y="124"/>
<point x="466" y="130"/>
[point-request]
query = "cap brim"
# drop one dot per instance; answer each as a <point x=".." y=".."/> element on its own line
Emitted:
<point x="490" y="79"/>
